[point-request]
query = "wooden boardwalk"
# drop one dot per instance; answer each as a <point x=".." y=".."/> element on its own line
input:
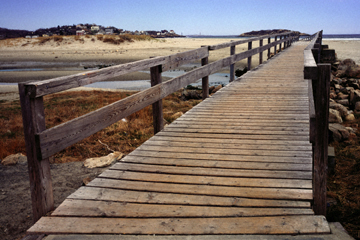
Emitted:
<point x="238" y="163"/>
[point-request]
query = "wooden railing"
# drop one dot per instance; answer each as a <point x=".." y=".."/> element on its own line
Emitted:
<point x="319" y="91"/>
<point x="41" y="143"/>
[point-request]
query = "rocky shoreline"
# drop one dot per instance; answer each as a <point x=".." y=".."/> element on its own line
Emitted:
<point x="344" y="100"/>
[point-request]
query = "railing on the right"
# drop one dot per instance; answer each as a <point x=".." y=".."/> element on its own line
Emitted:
<point x="319" y="89"/>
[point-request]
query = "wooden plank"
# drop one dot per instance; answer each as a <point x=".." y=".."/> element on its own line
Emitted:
<point x="238" y="136"/>
<point x="229" y="140"/>
<point x="206" y="180"/>
<point x="199" y="171"/>
<point x="86" y="208"/>
<point x="255" y="152"/>
<point x="225" y="145"/>
<point x="238" y="127"/>
<point x="218" y="163"/>
<point x="240" y="122"/>
<point x="118" y="195"/>
<point x="240" y="131"/>
<point x="41" y="190"/>
<point x="247" y="192"/>
<point x="168" y="226"/>
<point x="222" y="157"/>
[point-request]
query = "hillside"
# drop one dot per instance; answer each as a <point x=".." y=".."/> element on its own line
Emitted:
<point x="268" y="32"/>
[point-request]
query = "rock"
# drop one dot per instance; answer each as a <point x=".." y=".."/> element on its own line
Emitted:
<point x="340" y="108"/>
<point x="86" y="181"/>
<point x="334" y="116"/>
<point x="348" y="62"/>
<point x="176" y="115"/>
<point x="344" y="102"/>
<point x="342" y="96"/>
<point x="211" y="89"/>
<point x="354" y="97"/>
<point x="14" y="159"/>
<point x="357" y="107"/>
<point x="338" y="132"/>
<point x="216" y="89"/>
<point x="190" y="94"/>
<point x="333" y="95"/>
<point x="350" y="117"/>
<point x="102" y="161"/>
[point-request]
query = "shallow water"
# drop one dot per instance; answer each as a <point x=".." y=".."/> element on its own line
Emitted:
<point x="138" y="85"/>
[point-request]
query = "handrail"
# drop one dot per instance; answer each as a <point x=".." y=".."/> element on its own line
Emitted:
<point x="41" y="143"/>
<point x="319" y="90"/>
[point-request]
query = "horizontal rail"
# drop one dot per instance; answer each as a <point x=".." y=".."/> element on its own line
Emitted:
<point x="234" y="43"/>
<point x="319" y="76"/>
<point x="42" y="88"/>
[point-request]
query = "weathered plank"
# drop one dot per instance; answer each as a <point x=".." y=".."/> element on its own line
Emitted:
<point x="206" y="180"/>
<point x="247" y="192"/>
<point x="87" y="208"/>
<point x="221" y="157"/>
<point x="225" y="145"/>
<point x="169" y="226"/>
<point x="118" y="195"/>
<point x="239" y="163"/>
<point x="200" y="171"/>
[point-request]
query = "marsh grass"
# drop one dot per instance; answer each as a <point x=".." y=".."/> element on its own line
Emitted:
<point x="123" y="136"/>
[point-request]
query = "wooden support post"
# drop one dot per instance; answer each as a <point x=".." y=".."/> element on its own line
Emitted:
<point x="321" y="138"/>
<point x="39" y="170"/>
<point x="205" y="80"/>
<point x="157" y="107"/>
<point x="269" y="50"/>
<point x="249" y="58"/>
<point x="232" y="66"/>
<point x="280" y="44"/>
<point x="261" y="53"/>
<point x="275" y="46"/>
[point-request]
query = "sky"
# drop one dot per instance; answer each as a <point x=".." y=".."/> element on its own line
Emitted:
<point x="187" y="17"/>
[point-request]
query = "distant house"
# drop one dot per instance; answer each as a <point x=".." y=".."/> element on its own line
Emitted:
<point x="109" y="31"/>
<point x="95" y="28"/>
<point x="172" y="31"/>
<point x="80" y="32"/>
<point x="101" y="32"/>
<point x="28" y="36"/>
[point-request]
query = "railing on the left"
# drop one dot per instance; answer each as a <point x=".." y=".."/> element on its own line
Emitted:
<point x="41" y="143"/>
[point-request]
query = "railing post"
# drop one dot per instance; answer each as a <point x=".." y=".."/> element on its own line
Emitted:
<point x="280" y="44"/>
<point x="275" y="46"/>
<point x="269" y="50"/>
<point x="232" y="66"/>
<point x="157" y="107"/>
<point x="205" y="80"/>
<point x="321" y="138"/>
<point x="249" y="58"/>
<point x="39" y="170"/>
<point x="261" y="53"/>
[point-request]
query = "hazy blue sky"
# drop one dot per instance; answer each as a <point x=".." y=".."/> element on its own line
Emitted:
<point x="208" y="17"/>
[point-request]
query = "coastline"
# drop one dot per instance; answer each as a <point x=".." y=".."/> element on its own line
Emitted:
<point x="72" y="57"/>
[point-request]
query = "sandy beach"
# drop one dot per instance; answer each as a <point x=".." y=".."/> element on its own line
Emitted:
<point x="71" y="56"/>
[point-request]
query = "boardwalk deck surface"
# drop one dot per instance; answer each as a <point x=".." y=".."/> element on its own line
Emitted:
<point x="238" y="163"/>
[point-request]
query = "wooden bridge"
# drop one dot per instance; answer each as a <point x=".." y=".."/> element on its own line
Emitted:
<point x="241" y="162"/>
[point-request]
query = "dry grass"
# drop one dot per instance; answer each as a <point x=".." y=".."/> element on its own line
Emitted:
<point x="344" y="185"/>
<point x="121" y="136"/>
